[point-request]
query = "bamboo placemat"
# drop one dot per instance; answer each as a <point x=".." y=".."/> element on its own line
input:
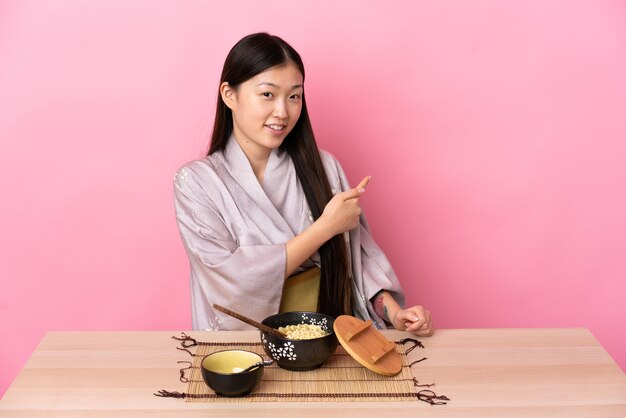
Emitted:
<point x="341" y="378"/>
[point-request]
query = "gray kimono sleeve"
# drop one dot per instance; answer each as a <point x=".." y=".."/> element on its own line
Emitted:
<point x="245" y="278"/>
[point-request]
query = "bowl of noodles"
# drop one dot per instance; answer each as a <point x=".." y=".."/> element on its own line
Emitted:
<point x="310" y="339"/>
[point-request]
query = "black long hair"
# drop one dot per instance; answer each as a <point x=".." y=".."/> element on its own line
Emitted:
<point x="252" y="55"/>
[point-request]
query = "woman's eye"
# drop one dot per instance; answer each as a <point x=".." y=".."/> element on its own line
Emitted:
<point x="267" y="94"/>
<point x="295" y="97"/>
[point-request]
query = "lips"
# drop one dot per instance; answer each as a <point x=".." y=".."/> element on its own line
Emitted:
<point x="276" y="127"/>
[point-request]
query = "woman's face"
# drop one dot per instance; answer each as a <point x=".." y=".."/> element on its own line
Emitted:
<point x="265" y="108"/>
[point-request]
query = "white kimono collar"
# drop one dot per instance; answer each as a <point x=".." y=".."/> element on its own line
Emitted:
<point x="241" y="170"/>
<point x="277" y="164"/>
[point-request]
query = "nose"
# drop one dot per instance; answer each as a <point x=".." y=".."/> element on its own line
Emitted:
<point x="280" y="109"/>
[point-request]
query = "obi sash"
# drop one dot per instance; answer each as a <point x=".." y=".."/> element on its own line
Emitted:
<point x="301" y="291"/>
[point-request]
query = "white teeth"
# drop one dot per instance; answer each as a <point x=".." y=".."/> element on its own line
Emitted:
<point x="276" y="127"/>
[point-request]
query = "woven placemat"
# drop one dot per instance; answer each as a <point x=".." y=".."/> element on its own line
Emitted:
<point x="341" y="378"/>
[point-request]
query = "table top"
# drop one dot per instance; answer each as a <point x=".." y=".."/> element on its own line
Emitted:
<point x="485" y="373"/>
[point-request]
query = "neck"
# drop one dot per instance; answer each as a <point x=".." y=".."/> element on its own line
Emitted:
<point x="257" y="157"/>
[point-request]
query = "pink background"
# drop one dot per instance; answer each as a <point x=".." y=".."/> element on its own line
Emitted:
<point x="494" y="132"/>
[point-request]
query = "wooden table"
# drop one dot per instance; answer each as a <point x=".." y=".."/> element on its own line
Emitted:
<point x="485" y="373"/>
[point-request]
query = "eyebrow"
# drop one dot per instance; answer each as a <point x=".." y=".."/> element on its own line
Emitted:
<point x="266" y="83"/>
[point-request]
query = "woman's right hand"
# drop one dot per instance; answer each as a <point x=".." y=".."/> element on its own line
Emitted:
<point x="342" y="213"/>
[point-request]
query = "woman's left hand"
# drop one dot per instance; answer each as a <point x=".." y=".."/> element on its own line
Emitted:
<point x="415" y="319"/>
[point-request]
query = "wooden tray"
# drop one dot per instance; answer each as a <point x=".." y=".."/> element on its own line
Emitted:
<point x="367" y="346"/>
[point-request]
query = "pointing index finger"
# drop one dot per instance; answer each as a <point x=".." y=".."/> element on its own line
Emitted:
<point x="363" y="183"/>
<point x="358" y="190"/>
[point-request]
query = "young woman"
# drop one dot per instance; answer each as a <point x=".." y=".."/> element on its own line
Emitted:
<point x="268" y="220"/>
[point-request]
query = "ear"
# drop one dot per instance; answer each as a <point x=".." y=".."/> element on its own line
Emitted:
<point x="228" y="95"/>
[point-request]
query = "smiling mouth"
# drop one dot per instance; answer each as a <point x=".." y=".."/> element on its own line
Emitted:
<point x="276" y="127"/>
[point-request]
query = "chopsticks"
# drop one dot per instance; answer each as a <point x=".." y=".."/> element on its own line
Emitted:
<point x="264" y="328"/>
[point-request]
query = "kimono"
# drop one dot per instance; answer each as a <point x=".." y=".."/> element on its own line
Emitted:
<point x="235" y="231"/>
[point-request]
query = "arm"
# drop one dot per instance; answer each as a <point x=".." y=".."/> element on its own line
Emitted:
<point x="373" y="272"/>
<point x="341" y="214"/>
<point x="222" y="270"/>
<point x="415" y="319"/>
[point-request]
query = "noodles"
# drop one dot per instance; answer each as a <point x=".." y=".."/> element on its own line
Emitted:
<point x="303" y="331"/>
